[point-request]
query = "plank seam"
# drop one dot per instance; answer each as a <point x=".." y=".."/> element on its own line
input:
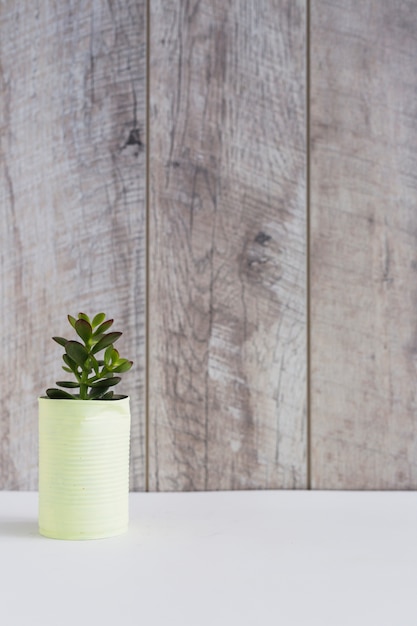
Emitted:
<point x="147" y="244"/>
<point x="308" y="247"/>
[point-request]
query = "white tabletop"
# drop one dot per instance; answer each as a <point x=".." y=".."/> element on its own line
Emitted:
<point x="219" y="559"/>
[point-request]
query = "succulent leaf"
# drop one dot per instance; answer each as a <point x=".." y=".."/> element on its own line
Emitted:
<point x="107" y="382"/>
<point x="70" y="362"/>
<point x="103" y="327"/>
<point x="61" y="340"/>
<point x="107" y="355"/>
<point x="59" y="394"/>
<point x="72" y="320"/>
<point x="98" y="319"/>
<point x="83" y="330"/>
<point x="95" y="364"/>
<point x="96" y="393"/>
<point x="67" y="383"/>
<point x="83" y="316"/>
<point x="105" y="341"/>
<point x="106" y="375"/>
<point x="77" y="352"/>
<point x="123" y="366"/>
<point x="108" y="396"/>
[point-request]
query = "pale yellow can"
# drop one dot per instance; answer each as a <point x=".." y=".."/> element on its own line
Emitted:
<point x="83" y="468"/>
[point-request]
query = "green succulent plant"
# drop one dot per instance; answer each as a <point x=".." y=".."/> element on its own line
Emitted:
<point x="93" y="376"/>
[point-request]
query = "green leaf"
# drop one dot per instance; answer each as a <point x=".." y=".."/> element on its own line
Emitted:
<point x="107" y="382"/>
<point x="83" y="330"/>
<point x="107" y="355"/>
<point x="106" y="375"/>
<point x="68" y="384"/>
<point x="83" y="316"/>
<point x="94" y="363"/>
<point x="77" y="352"/>
<point x="103" y="327"/>
<point x="108" y="395"/>
<point x="71" y="364"/>
<point x="123" y="366"/>
<point x="59" y="394"/>
<point x="67" y="369"/>
<point x="72" y="320"/>
<point x="60" y="340"/>
<point x="105" y="341"/>
<point x="98" y="319"/>
<point x="101" y="376"/>
<point x="95" y="394"/>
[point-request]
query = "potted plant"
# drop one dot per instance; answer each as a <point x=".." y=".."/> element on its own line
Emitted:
<point x="84" y="435"/>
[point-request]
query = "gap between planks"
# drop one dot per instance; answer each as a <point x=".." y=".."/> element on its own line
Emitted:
<point x="147" y="245"/>
<point x="308" y="249"/>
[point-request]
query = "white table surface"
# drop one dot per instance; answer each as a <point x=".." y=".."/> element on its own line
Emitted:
<point x="220" y="558"/>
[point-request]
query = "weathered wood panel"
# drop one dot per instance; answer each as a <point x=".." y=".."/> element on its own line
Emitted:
<point x="364" y="244"/>
<point x="72" y="191"/>
<point x="227" y="245"/>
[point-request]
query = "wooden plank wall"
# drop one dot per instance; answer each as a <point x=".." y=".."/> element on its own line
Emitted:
<point x="224" y="126"/>
<point x="227" y="286"/>
<point x="72" y="174"/>
<point x="364" y="244"/>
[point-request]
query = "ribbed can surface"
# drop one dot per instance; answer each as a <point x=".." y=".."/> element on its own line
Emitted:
<point x="83" y="468"/>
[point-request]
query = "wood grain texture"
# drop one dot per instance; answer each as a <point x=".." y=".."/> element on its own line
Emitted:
<point x="227" y="245"/>
<point x="364" y="244"/>
<point x="72" y="173"/>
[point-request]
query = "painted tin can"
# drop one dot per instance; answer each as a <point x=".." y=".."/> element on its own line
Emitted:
<point x="83" y="468"/>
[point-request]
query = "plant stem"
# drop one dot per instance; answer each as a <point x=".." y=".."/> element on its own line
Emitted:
<point x="98" y="376"/>
<point x="83" y="386"/>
